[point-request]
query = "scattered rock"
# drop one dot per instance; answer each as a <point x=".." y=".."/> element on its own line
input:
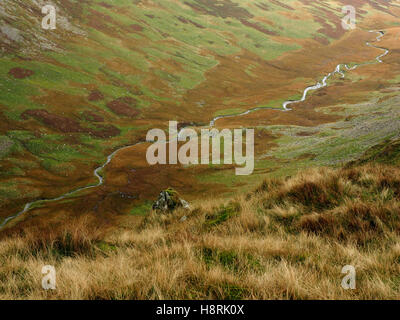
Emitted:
<point x="169" y="200"/>
<point x="185" y="204"/>
<point x="11" y="33"/>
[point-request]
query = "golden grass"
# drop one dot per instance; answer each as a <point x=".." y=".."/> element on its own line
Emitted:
<point x="289" y="239"/>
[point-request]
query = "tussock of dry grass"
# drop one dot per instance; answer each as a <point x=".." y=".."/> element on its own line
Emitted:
<point x="289" y="239"/>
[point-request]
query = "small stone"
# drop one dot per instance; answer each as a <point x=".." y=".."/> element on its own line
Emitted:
<point x="185" y="204"/>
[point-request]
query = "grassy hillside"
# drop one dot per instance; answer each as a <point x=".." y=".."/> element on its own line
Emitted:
<point x="288" y="239"/>
<point x="387" y="152"/>
<point x="112" y="70"/>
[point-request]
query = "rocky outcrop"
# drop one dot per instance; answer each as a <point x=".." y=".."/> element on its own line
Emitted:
<point x="169" y="200"/>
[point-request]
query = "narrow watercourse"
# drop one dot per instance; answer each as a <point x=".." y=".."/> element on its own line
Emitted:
<point x="323" y="83"/>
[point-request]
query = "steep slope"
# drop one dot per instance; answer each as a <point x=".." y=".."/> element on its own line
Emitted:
<point x="288" y="239"/>
<point x="387" y="152"/>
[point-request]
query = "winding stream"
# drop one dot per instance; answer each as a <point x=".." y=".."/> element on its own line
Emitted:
<point x="318" y="85"/>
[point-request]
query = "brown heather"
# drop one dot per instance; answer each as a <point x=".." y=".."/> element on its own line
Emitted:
<point x="289" y="239"/>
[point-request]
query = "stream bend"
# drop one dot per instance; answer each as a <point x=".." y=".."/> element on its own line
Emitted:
<point x="318" y="85"/>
